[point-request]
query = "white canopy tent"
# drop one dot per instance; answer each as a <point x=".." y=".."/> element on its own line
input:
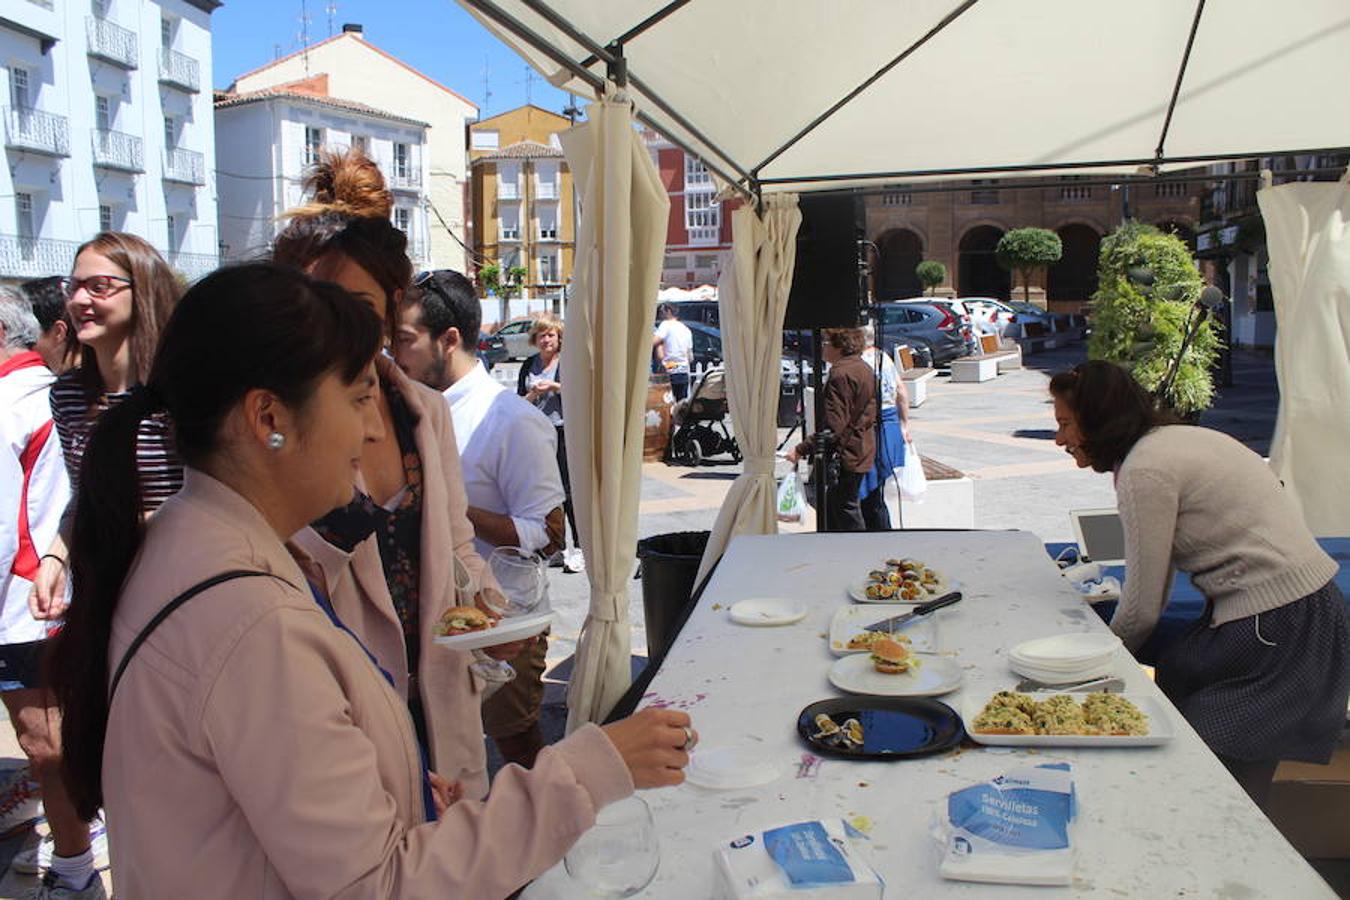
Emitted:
<point x="797" y="95"/>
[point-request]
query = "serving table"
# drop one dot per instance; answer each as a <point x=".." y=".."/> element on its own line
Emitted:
<point x="1165" y="821"/>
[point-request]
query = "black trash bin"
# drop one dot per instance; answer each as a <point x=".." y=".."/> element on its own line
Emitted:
<point x="669" y="565"/>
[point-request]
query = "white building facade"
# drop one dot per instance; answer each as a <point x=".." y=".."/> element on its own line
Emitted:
<point x="359" y="71"/>
<point x="267" y="140"/>
<point x="107" y="127"/>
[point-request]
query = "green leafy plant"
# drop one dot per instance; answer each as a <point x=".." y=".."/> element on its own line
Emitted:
<point x="931" y="273"/>
<point x="493" y="283"/>
<point x="1148" y="285"/>
<point x="1024" y="250"/>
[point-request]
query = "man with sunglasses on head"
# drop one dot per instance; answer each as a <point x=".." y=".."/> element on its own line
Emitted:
<point x="507" y="454"/>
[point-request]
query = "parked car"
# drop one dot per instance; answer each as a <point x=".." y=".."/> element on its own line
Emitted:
<point x="959" y="313"/>
<point x="491" y="349"/>
<point x="515" y="337"/>
<point x="1026" y="313"/>
<point x="991" y="316"/>
<point x="934" y="322"/>
<point x="705" y="311"/>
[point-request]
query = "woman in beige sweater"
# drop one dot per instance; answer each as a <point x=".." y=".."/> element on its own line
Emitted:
<point x="248" y="744"/>
<point x="1265" y="675"/>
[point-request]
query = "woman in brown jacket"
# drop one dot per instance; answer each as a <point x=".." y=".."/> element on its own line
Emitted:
<point x="851" y="414"/>
<point x="247" y="742"/>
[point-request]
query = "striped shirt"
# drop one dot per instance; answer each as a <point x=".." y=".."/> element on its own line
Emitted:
<point x="157" y="463"/>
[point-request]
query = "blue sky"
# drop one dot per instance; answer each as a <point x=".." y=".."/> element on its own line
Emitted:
<point x="435" y="36"/>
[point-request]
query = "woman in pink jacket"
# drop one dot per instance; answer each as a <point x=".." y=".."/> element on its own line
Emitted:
<point x="243" y="740"/>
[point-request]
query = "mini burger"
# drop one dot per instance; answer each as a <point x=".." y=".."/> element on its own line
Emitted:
<point x="463" y="619"/>
<point x="890" y="657"/>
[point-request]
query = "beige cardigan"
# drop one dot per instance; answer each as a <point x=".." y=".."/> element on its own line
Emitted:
<point x="253" y="750"/>
<point x="451" y="696"/>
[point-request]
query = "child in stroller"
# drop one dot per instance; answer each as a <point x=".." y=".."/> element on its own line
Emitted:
<point x="700" y="422"/>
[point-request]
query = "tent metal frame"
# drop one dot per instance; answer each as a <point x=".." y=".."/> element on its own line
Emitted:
<point x="748" y="182"/>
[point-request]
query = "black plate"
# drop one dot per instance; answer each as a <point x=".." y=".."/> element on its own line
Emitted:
<point x="893" y="727"/>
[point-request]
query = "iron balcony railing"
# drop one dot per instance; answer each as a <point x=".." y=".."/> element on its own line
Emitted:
<point x="110" y="41"/>
<point x="194" y="265"/>
<point x="508" y="190"/>
<point x="179" y="70"/>
<point x="30" y="257"/>
<point x="546" y="190"/>
<point x="186" y="166"/>
<point x="117" y="150"/>
<point x="410" y="179"/>
<point x="38" y="131"/>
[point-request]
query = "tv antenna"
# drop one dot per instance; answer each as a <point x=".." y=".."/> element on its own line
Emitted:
<point x="331" y="9"/>
<point x="304" y="34"/>
<point x="487" y="84"/>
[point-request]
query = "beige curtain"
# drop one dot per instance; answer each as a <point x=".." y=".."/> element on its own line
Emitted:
<point x="1308" y="238"/>
<point x="753" y="294"/>
<point x="620" y="244"/>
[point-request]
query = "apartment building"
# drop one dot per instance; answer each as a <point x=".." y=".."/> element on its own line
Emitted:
<point x="698" y="234"/>
<point x="107" y="126"/>
<point x="266" y="141"/>
<point x="359" y="71"/>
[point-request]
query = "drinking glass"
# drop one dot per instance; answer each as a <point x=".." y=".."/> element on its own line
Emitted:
<point x="619" y="855"/>
<point x="523" y="581"/>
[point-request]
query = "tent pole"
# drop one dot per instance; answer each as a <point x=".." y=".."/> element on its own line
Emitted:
<point x="639" y="28"/>
<point x="1181" y="75"/>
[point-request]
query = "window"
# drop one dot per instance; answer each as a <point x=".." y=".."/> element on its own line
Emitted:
<point x="983" y="196"/>
<point x="313" y="144"/>
<point x="171" y="229"/>
<point x="548" y="221"/>
<point x="484" y="140"/>
<point x="23" y="206"/>
<point x="403" y="219"/>
<point x="170" y="140"/>
<point x="696" y="175"/>
<point x="402" y="160"/>
<point x="705" y="261"/>
<point x="19" y="97"/>
<point x="105" y="222"/>
<point x="509" y="229"/>
<point x="166" y="31"/>
<point x="100" y="7"/>
<point x="546" y="180"/>
<point x="361" y="144"/>
<point x="102" y="114"/>
<point x="702" y="217"/>
<point x="508" y="181"/>
<point x="548" y="268"/>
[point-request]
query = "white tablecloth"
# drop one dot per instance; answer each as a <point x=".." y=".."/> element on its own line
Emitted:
<point x="1154" y="821"/>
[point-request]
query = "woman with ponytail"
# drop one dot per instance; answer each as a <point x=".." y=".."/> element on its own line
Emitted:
<point x="243" y="740"/>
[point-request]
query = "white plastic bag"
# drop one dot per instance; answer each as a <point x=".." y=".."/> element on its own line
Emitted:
<point x="913" y="484"/>
<point x="791" y="497"/>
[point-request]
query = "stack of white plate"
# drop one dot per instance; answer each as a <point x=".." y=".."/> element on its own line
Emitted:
<point x="1065" y="658"/>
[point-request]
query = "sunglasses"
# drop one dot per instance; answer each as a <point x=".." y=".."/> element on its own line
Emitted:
<point x="99" y="287"/>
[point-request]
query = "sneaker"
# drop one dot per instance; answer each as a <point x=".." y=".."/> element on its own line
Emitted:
<point x="36" y="860"/>
<point x="20" y="802"/>
<point x="574" y="560"/>
<point x="556" y="560"/>
<point x="51" y="889"/>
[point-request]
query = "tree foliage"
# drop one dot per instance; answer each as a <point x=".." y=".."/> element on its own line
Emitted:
<point x="493" y="283"/>
<point x="931" y="273"/>
<point x="1024" y="250"/>
<point x="1141" y="326"/>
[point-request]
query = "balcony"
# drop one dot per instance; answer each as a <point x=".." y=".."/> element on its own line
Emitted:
<point x="546" y="190"/>
<point x="508" y="190"/>
<point x="179" y="70"/>
<point x="30" y="257"/>
<point x="1073" y="193"/>
<point x="184" y="166"/>
<point x="116" y="150"/>
<point x="409" y="179"/>
<point x="111" y="42"/>
<point x="36" y="131"/>
<point x="193" y="265"/>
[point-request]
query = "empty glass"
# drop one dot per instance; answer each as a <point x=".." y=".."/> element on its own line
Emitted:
<point x="523" y="581"/>
<point x="619" y="855"/>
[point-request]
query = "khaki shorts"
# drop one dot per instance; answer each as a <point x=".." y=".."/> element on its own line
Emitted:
<point x="515" y="708"/>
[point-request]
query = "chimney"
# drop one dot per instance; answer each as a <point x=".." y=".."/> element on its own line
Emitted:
<point x="354" y="28"/>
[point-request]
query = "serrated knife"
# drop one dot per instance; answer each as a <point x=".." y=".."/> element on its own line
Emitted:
<point x="890" y="625"/>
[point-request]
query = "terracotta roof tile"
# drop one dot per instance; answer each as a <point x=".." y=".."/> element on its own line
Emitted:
<point x="225" y="100"/>
<point x="522" y="150"/>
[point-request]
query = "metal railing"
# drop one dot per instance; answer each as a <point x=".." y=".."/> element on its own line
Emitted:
<point x="30" y="257"/>
<point x="410" y="179"/>
<point x="38" y="131"/>
<point x="508" y="190"/>
<point x="186" y="166"/>
<point x="546" y="190"/>
<point x="117" y="150"/>
<point x="179" y="69"/>
<point x="1072" y="193"/>
<point x="193" y="265"/>
<point x="110" y="41"/>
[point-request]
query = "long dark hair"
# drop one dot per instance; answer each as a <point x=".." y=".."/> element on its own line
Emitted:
<point x="1112" y="409"/>
<point x="154" y="291"/>
<point x="252" y="326"/>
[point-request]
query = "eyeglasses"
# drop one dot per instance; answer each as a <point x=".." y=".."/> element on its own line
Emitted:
<point x="100" y="287"/>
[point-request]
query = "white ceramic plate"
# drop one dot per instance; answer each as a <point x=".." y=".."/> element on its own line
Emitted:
<point x="857" y="591"/>
<point x="766" y="611"/>
<point x="936" y="675"/>
<point x="849" y="620"/>
<point x="1066" y="650"/>
<point x="506" y="631"/>
<point x="730" y="768"/>
<point x="1160" y="729"/>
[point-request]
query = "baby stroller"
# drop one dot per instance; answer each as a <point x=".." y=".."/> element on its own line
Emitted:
<point x="700" y="423"/>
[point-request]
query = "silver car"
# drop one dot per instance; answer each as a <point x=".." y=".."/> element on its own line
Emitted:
<point x="516" y="338"/>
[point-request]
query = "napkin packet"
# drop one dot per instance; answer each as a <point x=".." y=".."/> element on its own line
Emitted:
<point x="1015" y="829"/>
<point x="820" y="858"/>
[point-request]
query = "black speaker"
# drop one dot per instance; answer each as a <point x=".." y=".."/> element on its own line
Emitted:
<point x="824" y="290"/>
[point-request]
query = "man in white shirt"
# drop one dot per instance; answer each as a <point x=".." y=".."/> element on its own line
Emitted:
<point x="508" y="455"/>
<point x="674" y="344"/>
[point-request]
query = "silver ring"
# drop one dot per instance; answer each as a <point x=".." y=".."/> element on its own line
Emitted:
<point x="688" y="738"/>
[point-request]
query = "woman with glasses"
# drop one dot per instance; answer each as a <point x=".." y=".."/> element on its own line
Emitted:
<point x="118" y="297"/>
<point x="1265" y="674"/>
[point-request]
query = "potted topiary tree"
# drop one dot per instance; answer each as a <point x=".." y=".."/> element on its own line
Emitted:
<point x="1148" y="285"/>
<point x="931" y="273"/>
<point x="1024" y="250"/>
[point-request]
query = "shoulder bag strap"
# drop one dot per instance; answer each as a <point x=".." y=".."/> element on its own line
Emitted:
<point x="169" y="607"/>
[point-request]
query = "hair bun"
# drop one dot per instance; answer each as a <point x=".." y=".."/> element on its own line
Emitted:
<point x="346" y="182"/>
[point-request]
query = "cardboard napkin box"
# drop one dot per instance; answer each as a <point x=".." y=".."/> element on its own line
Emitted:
<point x="820" y="858"/>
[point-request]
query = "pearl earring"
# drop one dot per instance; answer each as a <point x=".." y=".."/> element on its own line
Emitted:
<point x="276" y="440"/>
